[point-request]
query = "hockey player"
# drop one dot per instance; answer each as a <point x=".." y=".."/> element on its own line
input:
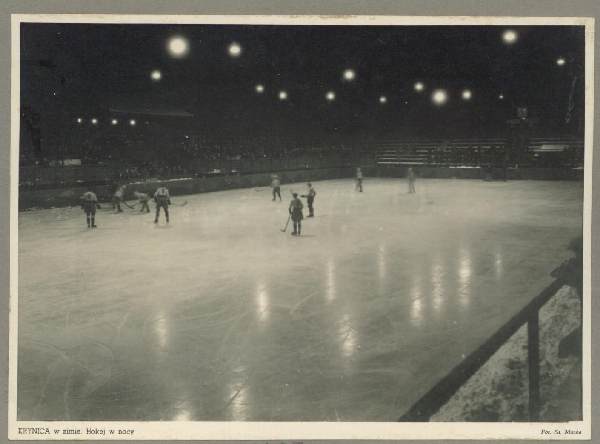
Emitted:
<point x="310" y="198"/>
<point x="89" y="203"/>
<point x="295" y="210"/>
<point x="143" y="198"/>
<point x="162" y="200"/>
<point x="410" y="175"/>
<point x="276" y="185"/>
<point x="359" y="179"/>
<point x="117" y="199"/>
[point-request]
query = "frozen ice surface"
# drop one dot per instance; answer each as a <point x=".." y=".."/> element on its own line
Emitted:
<point x="221" y="316"/>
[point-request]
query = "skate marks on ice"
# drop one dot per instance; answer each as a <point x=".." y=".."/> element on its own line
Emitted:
<point x="222" y="317"/>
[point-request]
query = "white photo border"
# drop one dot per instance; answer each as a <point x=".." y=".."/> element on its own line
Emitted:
<point x="156" y="430"/>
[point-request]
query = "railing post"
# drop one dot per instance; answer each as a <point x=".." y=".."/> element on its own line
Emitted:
<point x="533" y="346"/>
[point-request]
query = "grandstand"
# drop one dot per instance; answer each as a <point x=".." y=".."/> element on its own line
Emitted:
<point x="548" y="152"/>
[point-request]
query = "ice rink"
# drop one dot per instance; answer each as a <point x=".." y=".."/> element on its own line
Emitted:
<point x="221" y="316"/>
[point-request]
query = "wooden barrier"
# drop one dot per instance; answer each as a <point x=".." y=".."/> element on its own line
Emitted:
<point x="433" y="172"/>
<point x="69" y="196"/>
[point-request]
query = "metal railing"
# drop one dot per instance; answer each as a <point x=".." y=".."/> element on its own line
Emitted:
<point x="442" y="392"/>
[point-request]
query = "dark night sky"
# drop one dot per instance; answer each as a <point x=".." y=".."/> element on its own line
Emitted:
<point x="95" y="67"/>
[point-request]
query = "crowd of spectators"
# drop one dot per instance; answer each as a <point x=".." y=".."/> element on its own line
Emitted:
<point x="191" y="160"/>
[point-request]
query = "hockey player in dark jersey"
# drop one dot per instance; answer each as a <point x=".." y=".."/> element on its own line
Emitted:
<point x="410" y="175"/>
<point x="295" y="210"/>
<point x="143" y="199"/>
<point x="310" y="198"/>
<point x="162" y="200"/>
<point x="359" y="180"/>
<point x="89" y="203"/>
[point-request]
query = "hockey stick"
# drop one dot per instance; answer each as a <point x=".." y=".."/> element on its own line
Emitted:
<point x="107" y="208"/>
<point x="182" y="204"/>
<point x="128" y="206"/>
<point x="286" y="224"/>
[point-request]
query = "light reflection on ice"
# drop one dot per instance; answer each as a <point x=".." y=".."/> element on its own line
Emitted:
<point x="416" y="306"/>
<point x="238" y="405"/>
<point x="498" y="265"/>
<point x="330" y="293"/>
<point x="437" y="283"/>
<point x="262" y="301"/>
<point x="347" y="336"/>
<point x="184" y="411"/>
<point x="161" y="329"/>
<point x="464" y="276"/>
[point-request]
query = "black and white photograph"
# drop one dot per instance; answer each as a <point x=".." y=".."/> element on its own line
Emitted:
<point x="296" y="224"/>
